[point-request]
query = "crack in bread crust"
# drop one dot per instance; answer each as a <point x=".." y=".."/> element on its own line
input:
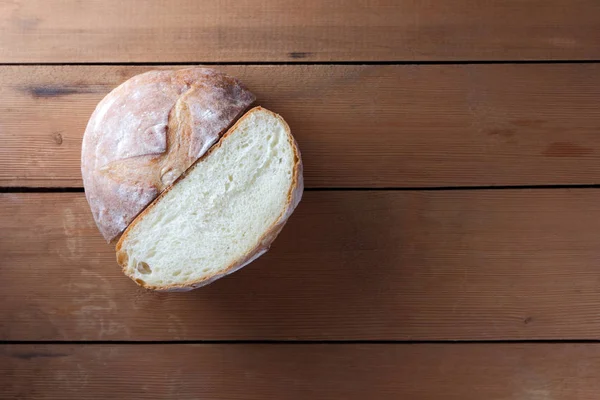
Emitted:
<point x="160" y="169"/>
<point x="179" y="132"/>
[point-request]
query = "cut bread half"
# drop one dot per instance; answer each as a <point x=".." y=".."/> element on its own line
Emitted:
<point x="223" y="213"/>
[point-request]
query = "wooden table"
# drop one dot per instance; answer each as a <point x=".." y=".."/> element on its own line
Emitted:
<point x="448" y="243"/>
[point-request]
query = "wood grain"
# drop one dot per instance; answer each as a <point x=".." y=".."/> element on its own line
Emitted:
<point x="252" y="30"/>
<point x="382" y="265"/>
<point x="358" y="126"/>
<point x="251" y="371"/>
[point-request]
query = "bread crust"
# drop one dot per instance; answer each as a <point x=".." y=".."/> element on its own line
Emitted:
<point x="263" y="244"/>
<point x="148" y="131"/>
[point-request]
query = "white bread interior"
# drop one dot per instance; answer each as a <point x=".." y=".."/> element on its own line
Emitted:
<point x="222" y="213"/>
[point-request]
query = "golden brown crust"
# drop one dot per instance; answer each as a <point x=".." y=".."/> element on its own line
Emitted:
<point x="149" y="130"/>
<point x="263" y="244"/>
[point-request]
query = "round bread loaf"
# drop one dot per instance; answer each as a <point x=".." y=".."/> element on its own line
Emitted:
<point x="145" y="133"/>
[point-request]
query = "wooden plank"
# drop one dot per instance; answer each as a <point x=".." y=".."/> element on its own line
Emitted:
<point x="253" y="371"/>
<point x="342" y="30"/>
<point x="388" y="265"/>
<point x="358" y="126"/>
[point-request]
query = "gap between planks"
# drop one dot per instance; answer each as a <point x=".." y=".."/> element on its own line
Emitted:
<point x="24" y="189"/>
<point x="294" y="342"/>
<point x="299" y="63"/>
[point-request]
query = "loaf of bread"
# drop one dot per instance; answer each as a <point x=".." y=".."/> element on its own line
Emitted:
<point x="144" y="134"/>
<point x="189" y="204"/>
<point x="224" y="212"/>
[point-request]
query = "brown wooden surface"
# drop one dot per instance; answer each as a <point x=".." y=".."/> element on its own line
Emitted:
<point x="403" y="265"/>
<point x="369" y="267"/>
<point x="341" y="30"/>
<point x="358" y="126"/>
<point x="287" y="371"/>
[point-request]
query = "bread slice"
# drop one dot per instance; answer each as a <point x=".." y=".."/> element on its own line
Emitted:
<point x="223" y="213"/>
